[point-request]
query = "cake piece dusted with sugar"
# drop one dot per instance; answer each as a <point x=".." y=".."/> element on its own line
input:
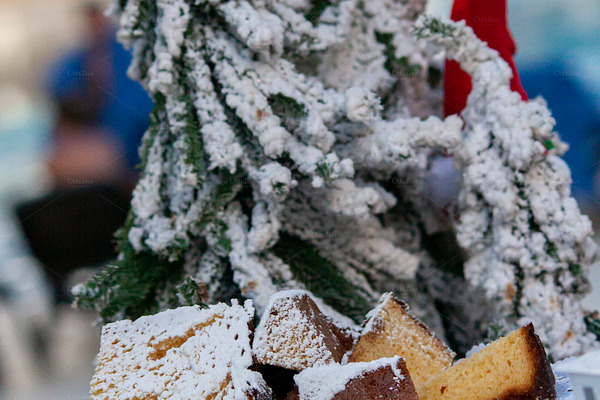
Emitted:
<point x="294" y="334"/>
<point x="513" y="367"/>
<point x="182" y="354"/>
<point x="390" y="330"/>
<point x="386" y="378"/>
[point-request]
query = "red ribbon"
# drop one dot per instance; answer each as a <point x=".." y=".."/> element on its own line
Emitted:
<point x="488" y="20"/>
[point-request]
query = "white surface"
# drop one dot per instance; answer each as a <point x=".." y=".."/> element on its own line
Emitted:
<point x="588" y="364"/>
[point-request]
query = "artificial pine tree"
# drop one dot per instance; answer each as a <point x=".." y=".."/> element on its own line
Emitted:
<point x="290" y="145"/>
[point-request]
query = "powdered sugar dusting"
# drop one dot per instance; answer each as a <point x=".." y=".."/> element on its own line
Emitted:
<point x="374" y="322"/>
<point x="323" y="383"/>
<point x="186" y="353"/>
<point x="371" y="317"/>
<point x="287" y="336"/>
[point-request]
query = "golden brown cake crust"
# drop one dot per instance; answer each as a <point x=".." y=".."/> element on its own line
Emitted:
<point x="527" y="375"/>
<point x="379" y="326"/>
<point x="544" y="377"/>
<point x="294" y="334"/>
<point x="443" y="347"/>
<point x="378" y="383"/>
<point x="346" y="336"/>
<point x="188" y="353"/>
<point x="387" y="381"/>
<point x="391" y="329"/>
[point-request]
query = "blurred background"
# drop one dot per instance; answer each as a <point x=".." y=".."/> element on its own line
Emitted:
<point x="70" y="124"/>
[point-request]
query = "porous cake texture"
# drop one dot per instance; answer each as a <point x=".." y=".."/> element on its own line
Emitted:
<point x="386" y="378"/>
<point x="189" y="353"/>
<point x="294" y="334"/>
<point x="513" y="367"/>
<point x="390" y="330"/>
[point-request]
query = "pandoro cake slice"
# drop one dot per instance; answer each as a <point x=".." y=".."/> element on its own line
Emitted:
<point x="513" y="367"/>
<point x="294" y="334"/>
<point x="181" y="354"/>
<point x="390" y="329"/>
<point x="386" y="378"/>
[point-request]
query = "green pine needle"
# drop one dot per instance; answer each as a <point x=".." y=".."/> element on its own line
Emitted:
<point x="396" y="66"/>
<point x="321" y="277"/>
<point x="286" y="107"/>
<point x="592" y="323"/>
<point x="317" y="10"/>
<point x="130" y="287"/>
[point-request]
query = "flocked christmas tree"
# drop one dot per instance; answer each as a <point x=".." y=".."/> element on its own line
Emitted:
<point x="290" y="147"/>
